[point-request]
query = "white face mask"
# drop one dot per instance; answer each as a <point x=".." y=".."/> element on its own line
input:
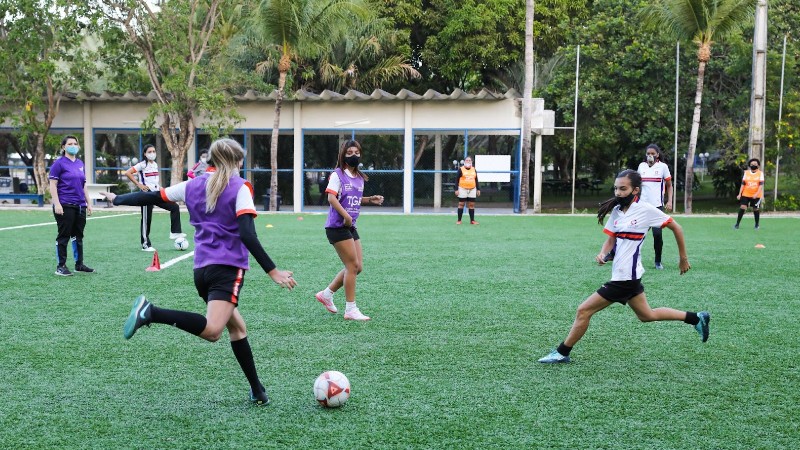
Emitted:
<point x="651" y="159"/>
<point x="150" y="156"/>
<point x="467" y="164"/>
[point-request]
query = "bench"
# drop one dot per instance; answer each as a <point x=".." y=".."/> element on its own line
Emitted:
<point x="38" y="197"/>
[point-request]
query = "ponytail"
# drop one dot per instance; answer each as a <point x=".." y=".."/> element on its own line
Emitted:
<point x="225" y="155"/>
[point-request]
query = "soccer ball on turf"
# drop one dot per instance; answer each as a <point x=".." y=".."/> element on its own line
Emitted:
<point x="332" y="389"/>
<point x="181" y="244"/>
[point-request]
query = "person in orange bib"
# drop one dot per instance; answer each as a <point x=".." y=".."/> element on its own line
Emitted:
<point x="752" y="191"/>
<point x="467" y="190"/>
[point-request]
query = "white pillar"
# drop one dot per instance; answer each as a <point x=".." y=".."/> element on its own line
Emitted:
<point x="88" y="143"/>
<point x="758" y="94"/>
<point x="437" y="178"/>
<point x="408" y="159"/>
<point x="537" y="174"/>
<point x="298" y="159"/>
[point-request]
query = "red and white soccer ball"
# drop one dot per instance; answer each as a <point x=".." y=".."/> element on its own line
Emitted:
<point x="332" y="389"/>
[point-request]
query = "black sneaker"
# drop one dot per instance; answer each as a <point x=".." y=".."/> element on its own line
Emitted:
<point x="138" y="317"/>
<point x="83" y="268"/>
<point x="259" y="398"/>
<point x="63" y="271"/>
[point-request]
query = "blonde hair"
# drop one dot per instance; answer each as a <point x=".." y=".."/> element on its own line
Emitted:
<point x="225" y="155"/>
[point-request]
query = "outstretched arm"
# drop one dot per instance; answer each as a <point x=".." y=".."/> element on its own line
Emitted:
<point x="247" y="232"/>
<point x="684" y="258"/>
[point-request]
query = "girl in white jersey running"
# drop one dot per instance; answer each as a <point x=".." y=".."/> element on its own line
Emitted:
<point x="626" y="229"/>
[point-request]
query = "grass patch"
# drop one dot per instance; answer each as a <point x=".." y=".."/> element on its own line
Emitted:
<point x="460" y="315"/>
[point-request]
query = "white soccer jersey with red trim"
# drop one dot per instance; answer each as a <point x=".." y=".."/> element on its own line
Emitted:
<point x="654" y="179"/>
<point x="630" y="228"/>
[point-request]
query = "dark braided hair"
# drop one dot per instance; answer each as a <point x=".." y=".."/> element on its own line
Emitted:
<point x="608" y="205"/>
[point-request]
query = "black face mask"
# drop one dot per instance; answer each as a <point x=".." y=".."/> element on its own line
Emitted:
<point x="352" y="161"/>
<point x="625" y="201"/>
<point x="753" y="167"/>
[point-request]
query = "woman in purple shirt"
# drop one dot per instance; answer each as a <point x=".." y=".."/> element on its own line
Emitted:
<point x="345" y="195"/>
<point x="68" y="195"/>
<point x="221" y="209"/>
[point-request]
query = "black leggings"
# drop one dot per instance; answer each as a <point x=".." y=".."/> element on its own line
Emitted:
<point x="147" y="219"/>
<point x="70" y="225"/>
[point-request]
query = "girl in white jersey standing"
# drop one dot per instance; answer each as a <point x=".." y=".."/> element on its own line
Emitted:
<point x="148" y="179"/>
<point x="222" y="212"/>
<point x="656" y="180"/>
<point x="626" y="230"/>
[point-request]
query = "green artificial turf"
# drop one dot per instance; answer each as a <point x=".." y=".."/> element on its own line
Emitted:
<point x="460" y="314"/>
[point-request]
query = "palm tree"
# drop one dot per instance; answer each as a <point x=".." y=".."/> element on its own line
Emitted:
<point x="364" y="58"/>
<point x="702" y="22"/>
<point x="298" y="28"/>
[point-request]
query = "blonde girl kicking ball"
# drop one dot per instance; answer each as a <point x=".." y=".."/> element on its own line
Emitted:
<point x="626" y="229"/>
<point x="345" y="194"/>
<point x="221" y="209"/>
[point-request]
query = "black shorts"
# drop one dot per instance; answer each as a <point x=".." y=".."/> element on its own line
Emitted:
<point x="219" y="282"/>
<point x="341" y="234"/>
<point x="621" y="291"/>
<point x="754" y="203"/>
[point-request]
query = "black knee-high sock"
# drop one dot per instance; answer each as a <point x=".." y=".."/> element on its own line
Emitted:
<point x="243" y="353"/>
<point x="739" y="219"/>
<point x="757" y="215"/>
<point x="472" y="214"/>
<point x="187" y="321"/>
<point x="460" y="213"/>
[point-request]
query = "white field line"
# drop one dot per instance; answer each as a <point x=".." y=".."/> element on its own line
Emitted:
<point x="53" y="223"/>
<point x="177" y="260"/>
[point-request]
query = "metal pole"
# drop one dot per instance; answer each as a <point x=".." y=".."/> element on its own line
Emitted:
<point x="780" y="116"/>
<point x="575" y="125"/>
<point x="675" y="147"/>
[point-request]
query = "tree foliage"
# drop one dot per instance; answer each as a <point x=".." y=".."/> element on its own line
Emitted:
<point x="43" y="58"/>
<point x="181" y="59"/>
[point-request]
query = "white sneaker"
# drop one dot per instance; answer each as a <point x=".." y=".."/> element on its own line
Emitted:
<point x="355" y="314"/>
<point x="148" y="249"/>
<point x="176" y="235"/>
<point x="327" y="302"/>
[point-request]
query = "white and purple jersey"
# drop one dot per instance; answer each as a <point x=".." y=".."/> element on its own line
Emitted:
<point x="654" y="179"/>
<point x="148" y="174"/>
<point x="630" y="228"/>
<point x="216" y="235"/>
<point x="71" y="177"/>
<point x="349" y="189"/>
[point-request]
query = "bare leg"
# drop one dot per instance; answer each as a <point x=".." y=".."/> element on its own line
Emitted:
<point x="586" y="310"/>
<point x="647" y="314"/>
<point x="349" y="252"/>
<point x="218" y="314"/>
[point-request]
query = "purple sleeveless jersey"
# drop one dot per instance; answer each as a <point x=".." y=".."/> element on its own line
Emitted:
<point x="349" y="197"/>
<point x="216" y="238"/>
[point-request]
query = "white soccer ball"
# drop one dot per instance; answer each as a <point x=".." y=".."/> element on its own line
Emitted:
<point x="181" y="244"/>
<point x="332" y="389"/>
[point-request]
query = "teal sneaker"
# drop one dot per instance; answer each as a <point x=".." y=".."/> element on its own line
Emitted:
<point x="554" y="357"/>
<point x="259" y="398"/>
<point x="139" y="316"/>
<point x="702" y="325"/>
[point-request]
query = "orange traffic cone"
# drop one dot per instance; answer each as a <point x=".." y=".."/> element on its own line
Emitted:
<point x="155" y="266"/>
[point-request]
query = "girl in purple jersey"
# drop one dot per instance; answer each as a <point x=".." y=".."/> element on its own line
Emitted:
<point x="626" y="229"/>
<point x="221" y="209"/>
<point x="345" y="195"/>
